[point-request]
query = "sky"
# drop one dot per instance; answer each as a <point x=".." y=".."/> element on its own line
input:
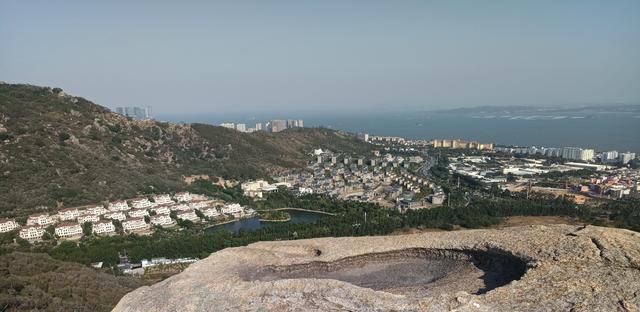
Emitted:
<point x="186" y="57"/>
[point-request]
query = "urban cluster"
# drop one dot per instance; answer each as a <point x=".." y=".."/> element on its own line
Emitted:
<point x="572" y="153"/>
<point x="135" y="215"/>
<point x="270" y="126"/>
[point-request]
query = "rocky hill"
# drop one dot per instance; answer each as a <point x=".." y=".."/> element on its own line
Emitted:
<point x="60" y="150"/>
<point x="532" y="268"/>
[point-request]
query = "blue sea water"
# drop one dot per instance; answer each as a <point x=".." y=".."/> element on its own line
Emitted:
<point x="614" y="131"/>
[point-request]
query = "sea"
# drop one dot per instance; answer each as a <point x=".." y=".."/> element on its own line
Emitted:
<point x="600" y="131"/>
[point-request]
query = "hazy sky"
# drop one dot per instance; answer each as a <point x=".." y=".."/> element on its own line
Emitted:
<point x="243" y="56"/>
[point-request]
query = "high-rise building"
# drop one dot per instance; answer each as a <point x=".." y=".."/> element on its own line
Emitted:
<point x="241" y="127"/>
<point x="229" y="125"/>
<point x="609" y="157"/>
<point x="135" y="112"/>
<point x="278" y="125"/>
<point x="576" y="153"/>
<point x="258" y="126"/>
<point x="627" y="157"/>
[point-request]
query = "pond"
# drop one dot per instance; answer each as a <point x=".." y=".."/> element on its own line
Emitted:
<point x="252" y="224"/>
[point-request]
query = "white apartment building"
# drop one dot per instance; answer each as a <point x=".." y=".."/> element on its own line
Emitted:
<point x="161" y="210"/>
<point x="163" y="199"/>
<point x="228" y="125"/>
<point x="142" y="203"/>
<point x="68" y="230"/>
<point x="134" y="224"/>
<point x="210" y="212"/>
<point x="241" y="127"/>
<point x="88" y="218"/>
<point x="7" y="225"/>
<point x="232" y="209"/>
<point x="161" y="220"/>
<point x="31" y="232"/>
<point x="96" y="211"/>
<point x="68" y="214"/>
<point x="183" y="197"/>
<point x="200" y="204"/>
<point x="41" y="219"/>
<point x="116" y="216"/>
<point x="137" y="213"/>
<point x="104" y="227"/>
<point x="180" y="207"/>
<point x="119" y="206"/>
<point x="188" y="215"/>
<point x="256" y="188"/>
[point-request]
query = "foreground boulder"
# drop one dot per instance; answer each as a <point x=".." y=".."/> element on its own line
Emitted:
<point x="532" y="268"/>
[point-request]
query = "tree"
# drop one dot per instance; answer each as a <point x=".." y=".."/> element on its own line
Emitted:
<point x="147" y="219"/>
<point x="87" y="228"/>
<point x="63" y="136"/>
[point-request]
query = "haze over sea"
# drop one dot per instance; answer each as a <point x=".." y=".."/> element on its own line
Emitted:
<point x="601" y="131"/>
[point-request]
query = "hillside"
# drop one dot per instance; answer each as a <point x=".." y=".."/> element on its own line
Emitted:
<point x="59" y="150"/>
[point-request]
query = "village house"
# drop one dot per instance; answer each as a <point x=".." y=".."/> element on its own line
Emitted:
<point x="119" y="206"/>
<point x="163" y="199"/>
<point x="188" y="215"/>
<point x="7" y="225"/>
<point x="211" y="212"/>
<point x="88" y="218"/>
<point x="31" y="232"/>
<point x="68" y="229"/>
<point x="137" y="213"/>
<point x="200" y="204"/>
<point x="96" y="211"/>
<point x="232" y="209"/>
<point x="134" y="224"/>
<point x="161" y="210"/>
<point x="161" y="220"/>
<point x="116" y="216"/>
<point x="142" y="203"/>
<point x="41" y="219"/>
<point x="103" y="227"/>
<point x="68" y="214"/>
<point x="183" y="197"/>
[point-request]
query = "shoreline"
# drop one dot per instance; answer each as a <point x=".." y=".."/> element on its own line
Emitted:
<point x="307" y="210"/>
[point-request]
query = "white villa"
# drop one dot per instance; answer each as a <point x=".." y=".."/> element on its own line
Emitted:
<point x="211" y="212"/>
<point x="68" y="229"/>
<point x="7" y="225"/>
<point x="232" y="209"/>
<point x="41" y="219"/>
<point x="96" y="211"/>
<point x="161" y="210"/>
<point x="188" y="215"/>
<point x="137" y="213"/>
<point x="31" y="232"/>
<point x="116" y="216"/>
<point x="103" y="227"/>
<point x="134" y="224"/>
<point x="68" y="214"/>
<point x="200" y="204"/>
<point x="183" y="197"/>
<point x="161" y="219"/>
<point x="142" y="203"/>
<point x="88" y="218"/>
<point x="163" y="199"/>
<point x="119" y="206"/>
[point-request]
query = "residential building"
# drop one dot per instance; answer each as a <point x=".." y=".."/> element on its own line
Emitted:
<point x="31" y="232"/>
<point x="119" y="215"/>
<point x="609" y="157"/>
<point x="161" y="210"/>
<point x="232" y="209"/>
<point x="627" y="157"/>
<point x="142" y="203"/>
<point x="163" y="199"/>
<point x="119" y="206"/>
<point x="96" y="211"/>
<point x="161" y="220"/>
<point x="180" y="207"/>
<point x="42" y="219"/>
<point x="228" y="125"/>
<point x="68" y="214"/>
<point x="278" y="125"/>
<point x="211" y="212"/>
<point x="256" y="188"/>
<point x="134" y="224"/>
<point x="7" y="225"/>
<point x="188" y="215"/>
<point x="68" y="229"/>
<point x="103" y="227"/>
<point x="135" y="112"/>
<point x="259" y="126"/>
<point x="88" y="218"/>
<point x="183" y="197"/>
<point x="241" y="127"/>
<point x="138" y="213"/>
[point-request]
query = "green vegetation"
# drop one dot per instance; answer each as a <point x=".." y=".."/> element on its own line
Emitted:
<point x="274" y="215"/>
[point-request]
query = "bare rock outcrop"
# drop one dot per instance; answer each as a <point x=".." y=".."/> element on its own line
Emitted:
<point x="531" y="268"/>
